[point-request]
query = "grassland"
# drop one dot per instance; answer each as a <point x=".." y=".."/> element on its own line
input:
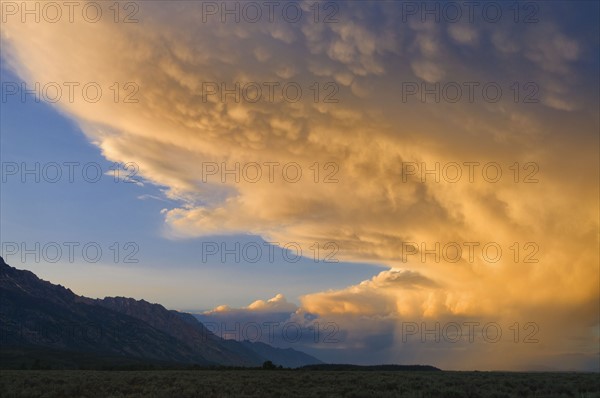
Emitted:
<point x="293" y="383"/>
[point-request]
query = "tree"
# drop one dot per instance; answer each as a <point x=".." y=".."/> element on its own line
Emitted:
<point x="268" y="365"/>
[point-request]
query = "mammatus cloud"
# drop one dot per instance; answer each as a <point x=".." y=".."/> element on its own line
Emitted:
<point x="373" y="204"/>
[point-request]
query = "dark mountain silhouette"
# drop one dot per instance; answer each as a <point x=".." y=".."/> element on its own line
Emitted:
<point x="40" y="321"/>
<point x="287" y="357"/>
<point x="374" y="368"/>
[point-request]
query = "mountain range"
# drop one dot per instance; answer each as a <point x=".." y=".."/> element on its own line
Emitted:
<point x="43" y="324"/>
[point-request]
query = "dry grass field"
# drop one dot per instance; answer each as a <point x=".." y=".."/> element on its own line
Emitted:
<point x="294" y="383"/>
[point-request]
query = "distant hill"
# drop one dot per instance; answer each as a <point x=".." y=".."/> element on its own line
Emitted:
<point x="47" y="325"/>
<point x="378" y="368"/>
<point x="288" y="357"/>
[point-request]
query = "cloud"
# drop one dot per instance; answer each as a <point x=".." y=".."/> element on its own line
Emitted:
<point x="428" y="71"/>
<point x="392" y="292"/>
<point x="274" y="304"/>
<point x="463" y="34"/>
<point x="261" y="320"/>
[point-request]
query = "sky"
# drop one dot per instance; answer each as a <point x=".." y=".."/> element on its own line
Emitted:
<point x="389" y="182"/>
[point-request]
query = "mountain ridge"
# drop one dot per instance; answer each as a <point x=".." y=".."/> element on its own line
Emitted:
<point x="38" y="315"/>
